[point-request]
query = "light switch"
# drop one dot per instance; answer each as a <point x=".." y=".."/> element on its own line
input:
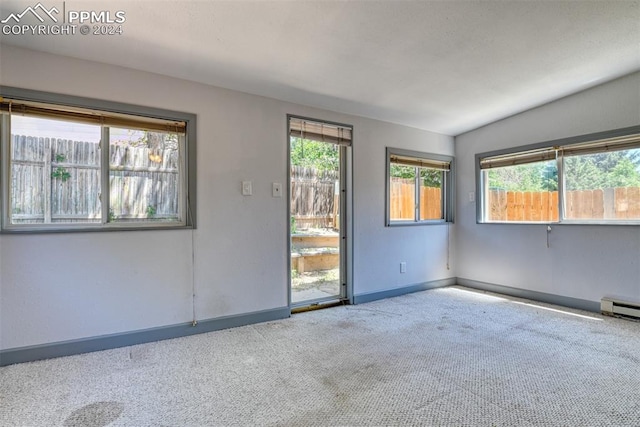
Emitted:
<point x="247" y="189"/>
<point x="472" y="196"/>
<point x="276" y="189"/>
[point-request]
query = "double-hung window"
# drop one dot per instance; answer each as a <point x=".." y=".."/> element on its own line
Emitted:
<point x="419" y="188"/>
<point x="77" y="164"/>
<point x="586" y="179"/>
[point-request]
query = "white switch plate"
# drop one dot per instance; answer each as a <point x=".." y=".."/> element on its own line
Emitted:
<point x="247" y="189"/>
<point x="403" y="267"/>
<point x="472" y="196"/>
<point x="276" y="189"/>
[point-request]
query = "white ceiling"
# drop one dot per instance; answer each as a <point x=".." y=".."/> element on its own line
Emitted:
<point x="444" y="66"/>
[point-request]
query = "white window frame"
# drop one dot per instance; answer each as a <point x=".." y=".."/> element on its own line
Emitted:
<point x="187" y="178"/>
<point x="600" y="142"/>
<point x="447" y="186"/>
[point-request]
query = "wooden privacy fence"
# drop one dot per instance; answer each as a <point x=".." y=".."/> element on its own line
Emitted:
<point x="314" y="197"/>
<point x="402" y="200"/>
<point x="610" y="203"/>
<point x="523" y="206"/>
<point x="58" y="180"/>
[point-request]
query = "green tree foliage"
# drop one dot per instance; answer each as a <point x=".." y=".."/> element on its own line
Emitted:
<point x="603" y="170"/>
<point x="150" y="139"/>
<point x="550" y="177"/>
<point x="314" y="154"/>
<point x="541" y="176"/>
<point x="625" y="174"/>
<point x="405" y="172"/>
<point x="429" y="177"/>
<point x="587" y="172"/>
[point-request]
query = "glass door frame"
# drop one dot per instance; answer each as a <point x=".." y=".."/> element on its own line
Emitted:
<point x="346" y="221"/>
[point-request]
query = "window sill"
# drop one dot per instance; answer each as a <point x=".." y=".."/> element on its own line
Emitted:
<point x="566" y="222"/>
<point x="414" y="223"/>
<point x="88" y="229"/>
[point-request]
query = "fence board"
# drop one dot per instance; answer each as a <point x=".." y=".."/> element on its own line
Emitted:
<point x="536" y="206"/>
<point x="148" y="189"/>
<point x="554" y="213"/>
<point x="621" y="203"/>
<point x="597" y="204"/>
<point x="512" y="206"/>
<point x="430" y="203"/>
<point x="568" y="208"/>
<point x="633" y="201"/>
<point x="544" y="206"/>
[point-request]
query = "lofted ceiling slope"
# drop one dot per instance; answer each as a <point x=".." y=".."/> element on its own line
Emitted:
<point x="443" y="66"/>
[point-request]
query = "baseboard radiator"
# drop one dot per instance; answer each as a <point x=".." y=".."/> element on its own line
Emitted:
<point x="616" y="307"/>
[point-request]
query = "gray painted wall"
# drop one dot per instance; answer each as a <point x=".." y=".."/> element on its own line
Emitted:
<point x="58" y="287"/>
<point x="585" y="262"/>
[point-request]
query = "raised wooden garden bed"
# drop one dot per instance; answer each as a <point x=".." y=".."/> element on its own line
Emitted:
<point x="311" y="252"/>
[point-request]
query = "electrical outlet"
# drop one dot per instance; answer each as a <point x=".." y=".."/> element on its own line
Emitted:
<point x="276" y="189"/>
<point x="247" y="189"/>
<point x="403" y="267"/>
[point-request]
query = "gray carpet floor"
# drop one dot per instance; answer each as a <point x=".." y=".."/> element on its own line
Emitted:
<point x="445" y="357"/>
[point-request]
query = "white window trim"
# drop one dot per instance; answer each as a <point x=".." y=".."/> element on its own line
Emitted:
<point x="187" y="208"/>
<point x="447" y="187"/>
<point x="569" y="144"/>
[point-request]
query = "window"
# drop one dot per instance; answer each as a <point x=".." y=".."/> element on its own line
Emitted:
<point x="587" y="179"/>
<point x="419" y="187"/>
<point x="68" y="165"/>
